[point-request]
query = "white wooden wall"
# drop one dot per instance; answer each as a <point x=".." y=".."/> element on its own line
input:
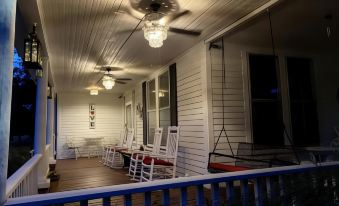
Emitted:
<point x="73" y="120"/>
<point x="234" y="100"/>
<point x="192" y="112"/>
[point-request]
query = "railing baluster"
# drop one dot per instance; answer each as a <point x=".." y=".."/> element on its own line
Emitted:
<point x="286" y="187"/>
<point x="258" y="192"/>
<point x="106" y="201"/>
<point x="148" y="199"/>
<point x="282" y="192"/>
<point x="229" y="193"/>
<point x="333" y="183"/>
<point x="200" y="195"/>
<point x="215" y="194"/>
<point x="183" y="196"/>
<point x="271" y="190"/>
<point x="84" y="203"/>
<point x="166" y="197"/>
<point x="244" y="192"/>
<point x="128" y="200"/>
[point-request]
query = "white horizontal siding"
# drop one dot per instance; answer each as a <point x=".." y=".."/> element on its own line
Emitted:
<point x="193" y="154"/>
<point x="73" y="121"/>
<point x="233" y="103"/>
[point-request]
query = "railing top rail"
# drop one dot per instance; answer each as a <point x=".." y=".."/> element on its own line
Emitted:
<point x="108" y="191"/>
<point x="14" y="180"/>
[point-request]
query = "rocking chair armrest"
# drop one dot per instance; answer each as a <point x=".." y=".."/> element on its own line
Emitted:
<point x="161" y="156"/>
<point x="139" y="152"/>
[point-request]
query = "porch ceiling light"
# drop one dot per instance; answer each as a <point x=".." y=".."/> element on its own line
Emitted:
<point x="94" y="92"/>
<point x="155" y="32"/>
<point x="108" y="82"/>
<point x="32" y="48"/>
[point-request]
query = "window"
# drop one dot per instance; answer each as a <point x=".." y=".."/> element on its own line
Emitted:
<point x="304" y="120"/>
<point x="266" y="105"/>
<point x="129" y="115"/>
<point x="161" y="104"/>
<point x="151" y="110"/>
<point x="164" y="105"/>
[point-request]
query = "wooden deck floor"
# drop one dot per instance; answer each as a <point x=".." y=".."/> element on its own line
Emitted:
<point x="89" y="173"/>
<point x="86" y="173"/>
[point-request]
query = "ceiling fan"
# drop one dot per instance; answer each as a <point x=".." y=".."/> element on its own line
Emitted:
<point x="158" y="14"/>
<point x="108" y="79"/>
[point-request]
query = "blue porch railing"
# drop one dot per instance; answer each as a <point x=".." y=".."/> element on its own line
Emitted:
<point x="260" y="187"/>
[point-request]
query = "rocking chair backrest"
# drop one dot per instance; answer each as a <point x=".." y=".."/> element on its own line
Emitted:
<point x="123" y="137"/>
<point x="157" y="141"/>
<point x="129" y="138"/>
<point x="172" y="142"/>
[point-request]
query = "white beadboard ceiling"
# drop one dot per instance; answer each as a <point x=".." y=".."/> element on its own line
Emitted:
<point x="83" y="34"/>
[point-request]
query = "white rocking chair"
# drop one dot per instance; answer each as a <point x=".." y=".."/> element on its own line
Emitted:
<point x="162" y="166"/>
<point x="114" y="158"/>
<point x="137" y="155"/>
<point x="108" y="147"/>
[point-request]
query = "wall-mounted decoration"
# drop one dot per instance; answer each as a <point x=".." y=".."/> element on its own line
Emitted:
<point x="92" y="116"/>
<point x="140" y="110"/>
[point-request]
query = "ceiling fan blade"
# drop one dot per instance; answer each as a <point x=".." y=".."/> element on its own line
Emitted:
<point x="120" y="82"/>
<point x="110" y="68"/>
<point x="124" y="32"/>
<point x="123" y="79"/>
<point x="127" y="11"/>
<point x="184" y="31"/>
<point x="174" y="17"/>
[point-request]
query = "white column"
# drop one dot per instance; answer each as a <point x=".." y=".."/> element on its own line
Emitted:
<point x="50" y="129"/>
<point x="40" y="125"/>
<point x="7" y="28"/>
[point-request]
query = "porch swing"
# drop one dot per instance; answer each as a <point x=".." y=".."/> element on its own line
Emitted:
<point x="249" y="155"/>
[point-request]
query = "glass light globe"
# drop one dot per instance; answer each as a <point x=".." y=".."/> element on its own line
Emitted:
<point x="93" y="92"/>
<point x="108" y="82"/>
<point x="155" y="33"/>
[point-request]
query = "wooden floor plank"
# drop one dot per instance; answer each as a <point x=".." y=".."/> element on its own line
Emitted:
<point x="86" y="173"/>
<point x="90" y="173"/>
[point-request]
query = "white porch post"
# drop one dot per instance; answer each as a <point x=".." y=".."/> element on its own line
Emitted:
<point x="7" y="29"/>
<point x="50" y="129"/>
<point x="40" y="125"/>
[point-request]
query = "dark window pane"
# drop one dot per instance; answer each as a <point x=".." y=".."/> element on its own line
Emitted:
<point x="163" y="90"/>
<point x="151" y="94"/>
<point x="164" y="122"/>
<point x="303" y="105"/>
<point x="304" y="124"/>
<point x="263" y="77"/>
<point x="300" y="86"/>
<point x="267" y="124"/>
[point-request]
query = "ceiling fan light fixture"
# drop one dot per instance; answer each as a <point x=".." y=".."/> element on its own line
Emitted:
<point x="94" y="92"/>
<point x="108" y="82"/>
<point x="155" y="33"/>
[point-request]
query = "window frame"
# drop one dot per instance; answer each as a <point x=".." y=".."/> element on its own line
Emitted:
<point x="157" y="101"/>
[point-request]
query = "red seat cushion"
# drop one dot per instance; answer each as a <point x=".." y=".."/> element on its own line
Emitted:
<point x="227" y="168"/>
<point x="148" y="161"/>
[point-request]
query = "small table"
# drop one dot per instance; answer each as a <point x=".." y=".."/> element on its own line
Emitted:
<point x="126" y="154"/>
<point x="319" y="153"/>
<point x="94" y="145"/>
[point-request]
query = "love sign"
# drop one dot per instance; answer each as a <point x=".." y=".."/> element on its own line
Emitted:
<point x="91" y="116"/>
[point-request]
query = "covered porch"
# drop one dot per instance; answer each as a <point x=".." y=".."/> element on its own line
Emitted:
<point x="243" y="91"/>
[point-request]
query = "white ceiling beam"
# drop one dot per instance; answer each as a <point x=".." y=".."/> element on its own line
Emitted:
<point x="242" y="20"/>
